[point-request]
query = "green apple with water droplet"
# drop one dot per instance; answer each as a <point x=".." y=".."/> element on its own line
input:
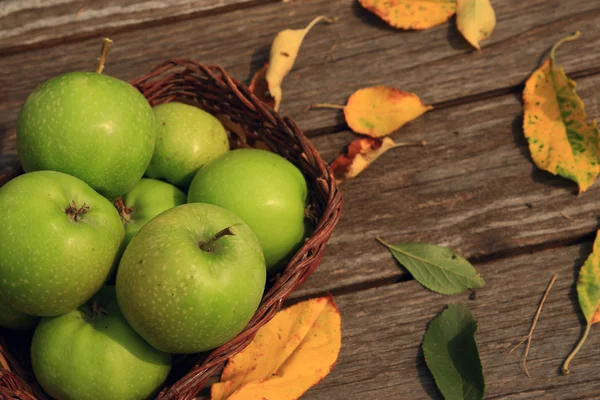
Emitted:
<point x="95" y="127"/>
<point x="58" y="242"/>
<point x="92" y="353"/>
<point x="188" y="138"/>
<point x="191" y="279"/>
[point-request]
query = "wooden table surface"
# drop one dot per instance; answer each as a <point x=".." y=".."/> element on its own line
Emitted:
<point x="473" y="188"/>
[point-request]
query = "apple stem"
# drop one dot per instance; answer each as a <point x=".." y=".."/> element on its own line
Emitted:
<point x="229" y="231"/>
<point x="76" y="214"/>
<point x="106" y="43"/>
<point x="124" y="211"/>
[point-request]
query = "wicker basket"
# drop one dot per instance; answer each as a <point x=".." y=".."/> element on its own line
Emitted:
<point x="214" y="90"/>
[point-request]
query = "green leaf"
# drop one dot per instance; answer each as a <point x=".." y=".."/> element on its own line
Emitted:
<point x="588" y="292"/>
<point x="437" y="268"/>
<point x="451" y="354"/>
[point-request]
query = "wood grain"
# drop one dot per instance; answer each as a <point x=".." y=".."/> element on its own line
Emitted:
<point x="382" y="330"/>
<point x="335" y="60"/>
<point x="473" y="188"/>
<point x="26" y="24"/>
<point x="436" y="64"/>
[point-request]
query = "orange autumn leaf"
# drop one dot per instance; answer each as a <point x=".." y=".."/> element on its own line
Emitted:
<point x="290" y="354"/>
<point x="284" y="51"/>
<point x="259" y="87"/>
<point x="380" y="110"/>
<point x="411" y="14"/>
<point x="361" y="152"/>
<point x="561" y="141"/>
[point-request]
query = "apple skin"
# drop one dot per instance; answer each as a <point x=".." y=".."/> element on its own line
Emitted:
<point x="262" y="188"/>
<point x="14" y="319"/>
<point x="183" y="299"/>
<point x="145" y="201"/>
<point x="188" y="138"/>
<point x="95" y="127"/>
<point x="94" y="354"/>
<point x="49" y="263"/>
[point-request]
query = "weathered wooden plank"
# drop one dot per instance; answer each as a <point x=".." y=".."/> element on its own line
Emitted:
<point x="436" y="64"/>
<point x="29" y="23"/>
<point x="382" y="330"/>
<point x="473" y="188"/>
<point x="334" y="60"/>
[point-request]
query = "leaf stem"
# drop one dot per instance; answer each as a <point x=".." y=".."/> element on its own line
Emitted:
<point x="563" y="40"/>
<point x="406" y="144"/>
<point x="529" y="336"/>
<point x="565" y="367"/>
<point x="106" y="43"/>
<point x="324" y="105"/>
<point x="318" y="19"/>
<point x="383" y="242"/>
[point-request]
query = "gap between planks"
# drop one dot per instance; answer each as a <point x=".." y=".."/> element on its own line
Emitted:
<point x="478" y="262"/>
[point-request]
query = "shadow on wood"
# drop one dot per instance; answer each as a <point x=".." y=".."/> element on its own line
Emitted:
<point x="456" y="40"/>
<point x="259" y="57"/>
<point x="425" y="376"/>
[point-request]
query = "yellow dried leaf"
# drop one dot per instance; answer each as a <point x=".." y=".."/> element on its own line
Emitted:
<point x="561" y="141"/>
<point x="475" y="20"/>
<point x="411" y="14"/>
<point x="291" y="353"/>
<point x="380" y="110"/>
<point x="361" y="152"/>
<point x="284" y="51"/>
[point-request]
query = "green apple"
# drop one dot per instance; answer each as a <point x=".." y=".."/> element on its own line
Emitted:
<point x="58" y="242"/>
<point x="14" y="319"/>
<point x="188" y="138"/>
<point x="191" y="279"/>
<point x="262" y="188"/>
<point x="92" y="353"/>
<point x="145" y="201"/>
<point x="92" y="126"/>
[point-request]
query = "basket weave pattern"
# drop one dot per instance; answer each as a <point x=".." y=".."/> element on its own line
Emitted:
<point x="214" y="90"/>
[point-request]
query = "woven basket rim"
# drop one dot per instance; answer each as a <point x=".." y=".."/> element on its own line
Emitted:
<point x="220" y="94"/>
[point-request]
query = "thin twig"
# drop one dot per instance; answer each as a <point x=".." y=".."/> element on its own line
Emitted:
<point x="529" y="336"/>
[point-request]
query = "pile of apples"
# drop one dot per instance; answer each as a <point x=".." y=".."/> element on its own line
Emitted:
<point x="134" y="233"/>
